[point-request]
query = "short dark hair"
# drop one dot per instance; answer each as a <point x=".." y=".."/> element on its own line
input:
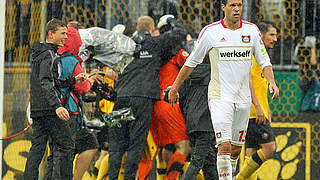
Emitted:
<point x="53" y="25"/>
<point x="190" y="30"/>
<point x="265" y="25"/>
<point x="224" y="2"/>
<point x="131" y="27"/>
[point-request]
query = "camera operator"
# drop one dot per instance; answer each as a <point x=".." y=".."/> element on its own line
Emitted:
<point x="138" y="87"/>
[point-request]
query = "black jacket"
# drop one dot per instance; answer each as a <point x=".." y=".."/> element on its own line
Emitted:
<point x="194" y="92"/>
<point x="141" y="77"/>
<point x="44" y="96"/>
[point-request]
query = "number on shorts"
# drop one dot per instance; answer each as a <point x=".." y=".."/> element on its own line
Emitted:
<point x="242" y="137"/>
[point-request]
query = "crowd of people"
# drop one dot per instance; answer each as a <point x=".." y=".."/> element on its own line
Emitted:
<point x="195" y="100"/>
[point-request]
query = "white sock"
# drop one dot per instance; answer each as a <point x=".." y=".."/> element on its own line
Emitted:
<point x="234" y="163"/>
<point x="224" y="167"/>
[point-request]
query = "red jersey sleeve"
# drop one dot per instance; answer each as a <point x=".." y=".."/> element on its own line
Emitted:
<point x="181" y="57"/>
<point x="83" y="87"/>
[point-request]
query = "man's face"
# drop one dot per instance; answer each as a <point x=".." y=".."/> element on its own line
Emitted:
<point x="269" y="38"/>
<point x="233" y="10"/>
<point x="59" y="36"/>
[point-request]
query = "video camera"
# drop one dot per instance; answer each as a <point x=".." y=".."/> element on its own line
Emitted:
<point x="104" y="91"/>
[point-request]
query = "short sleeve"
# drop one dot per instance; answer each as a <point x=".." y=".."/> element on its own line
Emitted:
<point x="201" y="48"/>
<point x="260" y="52"/>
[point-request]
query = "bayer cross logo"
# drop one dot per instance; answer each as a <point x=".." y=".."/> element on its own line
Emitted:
<point x="265" y="136"/>
<point x="218" y="134"/>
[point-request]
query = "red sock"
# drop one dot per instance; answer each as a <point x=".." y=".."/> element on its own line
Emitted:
<point x="175" y="166"/>
<point x="144" y="169"/>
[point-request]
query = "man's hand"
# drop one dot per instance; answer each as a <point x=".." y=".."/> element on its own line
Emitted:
<point x="260" y="117"/>
<point x="96" y="76"/>
<point x="273" y="88"/>
<point x="173" y="96"/>
<point x="62" y="113"/>
<point x="110" y="73"/>
<point x="81" y="77"/>
<point x="95" y="72"/>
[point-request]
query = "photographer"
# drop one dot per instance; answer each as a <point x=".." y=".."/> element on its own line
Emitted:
<point x="138" y="87"/>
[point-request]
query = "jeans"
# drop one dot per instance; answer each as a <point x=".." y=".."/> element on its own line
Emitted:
<point x="203" y="156"/>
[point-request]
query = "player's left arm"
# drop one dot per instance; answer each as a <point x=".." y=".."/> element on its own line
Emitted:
<point x="263" y="60"/>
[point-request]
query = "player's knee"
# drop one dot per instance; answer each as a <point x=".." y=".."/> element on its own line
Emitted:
<point x="183" y="147"/>
<point x="236" y="150"/>
<point x="268" y="149"/>
<point x="273" y="147"/>
<point x="224" y="148"/>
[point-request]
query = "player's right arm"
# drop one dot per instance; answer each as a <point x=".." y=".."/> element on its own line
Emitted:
<point x="273" y="88"/>
<point x="263" y="60"/>
<point x="260" y="117"/>
<point x="183" y="74"/>
<point x="196" y="57"/>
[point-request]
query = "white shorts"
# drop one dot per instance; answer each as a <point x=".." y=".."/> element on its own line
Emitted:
<point x="229" y="120"/>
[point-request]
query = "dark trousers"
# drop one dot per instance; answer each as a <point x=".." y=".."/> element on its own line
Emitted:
<point x="59" y="132"/>
<point x="50" y="160"/>
<point x="131" y="137"/>
<point x="203" y="156"/>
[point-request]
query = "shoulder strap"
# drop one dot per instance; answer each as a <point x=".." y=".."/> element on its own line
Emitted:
<point x="55" y="69"/>
<point x="65" y="54"/>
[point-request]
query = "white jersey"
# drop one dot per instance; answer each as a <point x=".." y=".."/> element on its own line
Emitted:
<point x="230" y="53"/>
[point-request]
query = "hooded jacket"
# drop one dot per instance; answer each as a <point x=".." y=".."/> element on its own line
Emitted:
<point x="71" y="67"/>
<point x="44" y="97"/>
<point x="141" y="77"/>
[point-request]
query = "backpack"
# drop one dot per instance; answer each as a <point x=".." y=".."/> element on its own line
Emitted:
<point x="60" y="83"/>
<point x="67" y="85"/>
<point x="56" y="70"/>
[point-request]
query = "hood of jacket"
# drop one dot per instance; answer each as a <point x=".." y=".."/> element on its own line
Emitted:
<point x="38" y="49"/>
<point x="73" y="43"/>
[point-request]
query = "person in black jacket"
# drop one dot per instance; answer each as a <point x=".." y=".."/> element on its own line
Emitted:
<point x="138" y="87"/>
<point x="50" y="118"/>
<point x="194" y="99"/>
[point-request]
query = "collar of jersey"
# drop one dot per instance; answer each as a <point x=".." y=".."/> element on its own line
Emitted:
<point x="229" y="28"/>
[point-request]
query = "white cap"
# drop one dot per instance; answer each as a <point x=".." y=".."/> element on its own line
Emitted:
<point x="119" y="28"/>
<point x="164" y="20"/>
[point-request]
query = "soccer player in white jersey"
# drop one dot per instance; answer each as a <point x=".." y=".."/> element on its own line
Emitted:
<point x="230" y="44"/>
